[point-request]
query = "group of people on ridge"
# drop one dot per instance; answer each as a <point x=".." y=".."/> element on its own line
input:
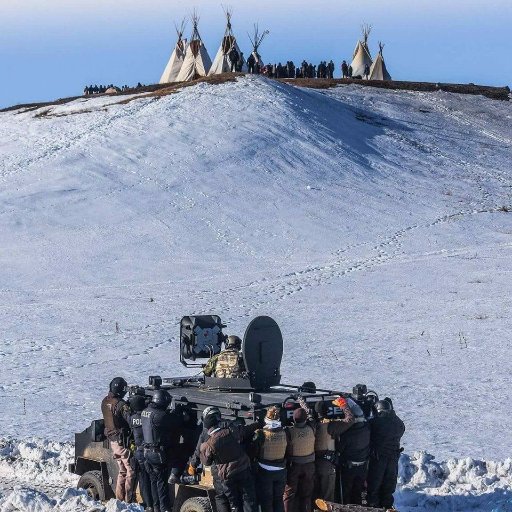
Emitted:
<point x="291" y="464"/>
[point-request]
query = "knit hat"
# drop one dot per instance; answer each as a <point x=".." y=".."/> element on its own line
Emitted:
<point x="300" y="416"/>
<point x="322" y="408"/>
<point x="273" y="413"/>
<point x="210" y="421"/>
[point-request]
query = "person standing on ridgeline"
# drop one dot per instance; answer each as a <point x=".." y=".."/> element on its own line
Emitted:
<point x="327" y="431"/>
<point x="251" y="61"/>
<point x="330" y="68"/>
<point x="387" y="430"/>
<point x="344" y="69"/>
<point x="162" y="430"/>
<point x="115" y="415"/>
<point x="350" y="72"/>
<point x="224" y="449"/>
<point x="366" y="71"/>
<point x="353" y="454"/>
<point x="137" y="405"/>
<point x="233" y="58"/>
<point x="300" y="478"/>
<point x="271" y="446"/>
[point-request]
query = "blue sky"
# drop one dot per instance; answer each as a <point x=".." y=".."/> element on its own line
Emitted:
<point x="52" y="48"/>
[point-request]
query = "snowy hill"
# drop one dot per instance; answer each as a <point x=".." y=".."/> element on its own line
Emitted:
<point x="371" y="224"/>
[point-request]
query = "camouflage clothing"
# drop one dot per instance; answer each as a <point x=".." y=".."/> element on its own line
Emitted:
<point x="229" y="364"/>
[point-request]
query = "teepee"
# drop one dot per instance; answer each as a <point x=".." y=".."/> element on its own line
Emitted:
<point x="222" y="63"/>
<point x="378" y="70"/>
<point x="362" y="57"/>
<point x="173" y="67"/>
<point x="256" y="40"/>
<point x="197" y="62"/>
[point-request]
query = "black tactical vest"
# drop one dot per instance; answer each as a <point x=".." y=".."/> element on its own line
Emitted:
<point x="136" y="426"/>
<point x="151" y="433"/>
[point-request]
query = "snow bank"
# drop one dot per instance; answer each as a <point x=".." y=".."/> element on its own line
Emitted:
<point x="453" y="485"/>
<point x="72" y="500"/>
<point x="36" y="462"/>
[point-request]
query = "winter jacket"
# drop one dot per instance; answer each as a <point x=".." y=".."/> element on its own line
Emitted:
<point x="115" y="416"/>
<point x="386" y="433"/>
<point x="354" y="444"/>
<point x="224" y="449"/>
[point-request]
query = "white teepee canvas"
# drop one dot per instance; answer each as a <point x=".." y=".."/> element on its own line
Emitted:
<point x="222" y="62"/>
<point x="378" y="70"/>
<point x="175" y="63"/>
<point x="362" y="57"/>
<point x="197" y="62"/>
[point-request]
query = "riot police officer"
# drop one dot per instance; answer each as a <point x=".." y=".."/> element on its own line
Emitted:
<point x="327" y="431"/>
<point x="353" y="453"/>
<point x="161" y="430"/>
<point x="115" y="415"/>
<point x="137" y="405"/>
<point x="387" y="430"/>
<point x="300" y="478"/>
<point x="229" y="364"/>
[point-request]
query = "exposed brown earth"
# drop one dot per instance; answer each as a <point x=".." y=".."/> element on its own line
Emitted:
<point x="159" y="90"/>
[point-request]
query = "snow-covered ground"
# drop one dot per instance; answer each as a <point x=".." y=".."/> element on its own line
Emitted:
<point x="371" y="224"/>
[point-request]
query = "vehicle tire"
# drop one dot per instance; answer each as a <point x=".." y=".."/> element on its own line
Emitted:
<point x="92" y="482"/>
<point x="196" y="505"/>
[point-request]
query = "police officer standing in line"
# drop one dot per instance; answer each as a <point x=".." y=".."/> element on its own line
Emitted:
<point x="327" y="431"/>
<point x="229" y="364"/>
<point x="137" y="405"/>
<point x="353" y="452"/>
<point x="271" y="446"/>
<point x="162" y="430"/>
<point x="115" y="415"/>
<point x="387" y="430"/>
<point x="224" y="449"/>
<point x="300" y="478"/>
<point x="221" y="500"/>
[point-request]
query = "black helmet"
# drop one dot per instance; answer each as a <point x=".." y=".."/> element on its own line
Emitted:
<point x="161" y="398"/>
<point x="137" y="403"/>
<point x="383" y="408"/>
<point x="118" y="386"/>
<point x="233" y="342"/>
<point x="211" y="411"/>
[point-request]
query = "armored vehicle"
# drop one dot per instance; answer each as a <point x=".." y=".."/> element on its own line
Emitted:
<point x="244" y="399"/>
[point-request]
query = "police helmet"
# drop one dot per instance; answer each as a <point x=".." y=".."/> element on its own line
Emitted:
<point x="137" y="403"/>
<point x="233" y="342"/>
<point x="118" y="386"/>
<point x="161" y="398"/>
<point x="211" y="411"/>
<point x="383" y="408"/>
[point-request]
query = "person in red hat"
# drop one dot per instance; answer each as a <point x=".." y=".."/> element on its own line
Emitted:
<point x="328" y="430"/>
<point x="300" y="479"/>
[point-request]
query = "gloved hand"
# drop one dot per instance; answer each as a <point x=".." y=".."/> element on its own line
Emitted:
<point x="191" y="470"/>
<point x="340" y="402"/>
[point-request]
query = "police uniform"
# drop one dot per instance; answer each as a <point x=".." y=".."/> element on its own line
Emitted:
<point x="327" y="431"/>
<point x="161" y="430"/>
<point x="115" y="415"/>
<point x="138" y="461"/>
<point x="354" y="451"/>
<point x="300" y="478"/>
<point x="386" y="433"/>
<point x="272" y="444"/>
